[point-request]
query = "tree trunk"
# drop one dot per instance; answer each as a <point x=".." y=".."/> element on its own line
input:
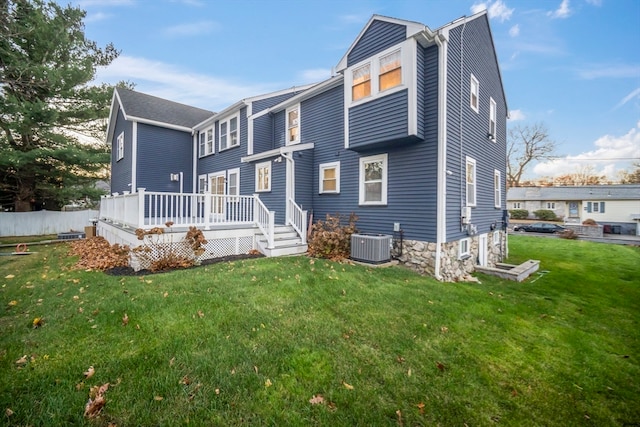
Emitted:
<point x="23" y="205"/>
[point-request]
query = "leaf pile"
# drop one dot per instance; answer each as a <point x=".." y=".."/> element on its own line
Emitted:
<point x="96" y="253"/>
<point x="331" y="239"/>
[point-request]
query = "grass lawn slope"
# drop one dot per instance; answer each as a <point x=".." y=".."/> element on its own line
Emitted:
<point x="300" y="341"/>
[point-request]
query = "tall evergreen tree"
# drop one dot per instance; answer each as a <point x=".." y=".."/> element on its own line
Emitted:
<point x="46" y="65"/>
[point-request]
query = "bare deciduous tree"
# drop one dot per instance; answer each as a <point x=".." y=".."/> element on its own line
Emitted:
<point x="525" y="144"/>
<point x="583" y="175"/>
<point x="631" y="176"/>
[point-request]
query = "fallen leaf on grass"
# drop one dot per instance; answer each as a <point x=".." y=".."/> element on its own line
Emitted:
<point x="399" y="414"/>
<point x="185" y="380"/>
<point x="89" y="372"/>
<point x="268" y="383"/>
<point x="200" y="314"/>
<point x="421" y="408"/>
<point x="96" y="401"/>
<point x="37" y="322"/>
<point x="9" y="276"/>
<point x="440" y="366"/>
<point x="158" y="398"/>
<point x="22" y="360"/>
<point x="347" y="386"/>
<point x="13" y="303"/>
<point x="444" y="329"/>
<point x="125" y="320"/>
<point x="8" y="412"/>
<point x="317" y="400"/>
<point x="166" y="294"/>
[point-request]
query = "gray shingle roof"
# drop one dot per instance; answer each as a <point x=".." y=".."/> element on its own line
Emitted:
<point x="150" y="107"/>
<point x="591" y="192"/>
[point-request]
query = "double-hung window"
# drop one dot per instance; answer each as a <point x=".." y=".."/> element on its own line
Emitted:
<point x="551" y="205"/>
<point x="293" y="125"/>
<point x="471" y="181"/>
<point x="373" y="180"/>
<point x="390" y="71"/>
<point x="233" y="182"/>
<point x="228" y="133"/>
<point x="492" y="119"/>
<point x="474" y="99"/>
<point x="361" y="86"/>
<point x="202" y="184"/>
<point x="497" y="194"/>
<point x="329" y="178"/>
<point x="263" y="176"/>
<point x="516" y="205"/>
<point x="120" y="142"/>
<point x="205" y="144"/>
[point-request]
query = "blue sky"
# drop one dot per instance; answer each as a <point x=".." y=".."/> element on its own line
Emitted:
<point x="573" y="65"/>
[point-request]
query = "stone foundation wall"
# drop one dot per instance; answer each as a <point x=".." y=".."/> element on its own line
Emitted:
<point x="421" y="256"/>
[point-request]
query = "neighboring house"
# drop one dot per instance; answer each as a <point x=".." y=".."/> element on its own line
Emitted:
<point x="410" y="135"/>
<point x="615" y="207"/>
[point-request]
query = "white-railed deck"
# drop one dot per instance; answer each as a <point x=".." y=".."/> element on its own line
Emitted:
<point x="235" y="223"/>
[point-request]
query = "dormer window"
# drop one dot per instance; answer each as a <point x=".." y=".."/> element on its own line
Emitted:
<point x="293" y="125"/>
<point x="390" y="71"/>
<point x="361" y="87"/>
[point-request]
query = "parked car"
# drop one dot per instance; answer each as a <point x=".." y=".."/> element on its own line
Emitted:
<point x="540" y="227"/>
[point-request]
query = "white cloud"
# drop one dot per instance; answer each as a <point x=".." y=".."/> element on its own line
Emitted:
<point x="92" y="3"/>
<point x="515" y="115"/>
<point x="315" y="75"/>
<point x="563" y="11"/>
<point x="178" y="84"/>
<point x="610" y="70"/>
<point x="595" y="2"/>
<point x="98" y="16"/>
<point x="498" y="10"/>
<point x="191" y="29"/>
<point x="514" y="31"/>
<point x="610" y="155"/>
<point x="634" y="94"/>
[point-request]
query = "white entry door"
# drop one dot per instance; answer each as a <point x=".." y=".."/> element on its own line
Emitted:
<point x="482" y="250"/>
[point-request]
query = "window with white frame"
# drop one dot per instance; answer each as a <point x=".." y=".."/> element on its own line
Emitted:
<point x="390" y="74"/>
<point x="474" y="94"/>
<point x="263" y="176"/>
<point x="596" y="207"/>
<point x="464" y="250"/>
<point x="551" y="205"/>
<point x="516" y="205"/>
<point x="497" y="194"/>
<point x="471" y="181"/>
<point x="329" y="177"/>
<point x="205" y="144"/>
<point x="373" y="180"/>
<point x="202" y="184"/>
<point x="120" y="142"/>
<point x="361" y="85"/>
<point x="233" y="182"/>
<point x="492" y="119"/>
<point x="228" y="133"/>
<point x="293" y="125"/>
<point x="496" y="237"/>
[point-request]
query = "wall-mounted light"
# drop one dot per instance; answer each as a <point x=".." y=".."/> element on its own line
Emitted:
<point x="278" y="159"/>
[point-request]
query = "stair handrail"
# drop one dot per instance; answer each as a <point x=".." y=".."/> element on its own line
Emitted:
<point x="265" y="220"/>
<point x="298" y="220"/>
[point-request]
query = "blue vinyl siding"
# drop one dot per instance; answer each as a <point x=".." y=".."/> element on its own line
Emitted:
<point x="263" y="133"/>
<point x="162" y="152"/>
<point x="468" y="136"/>
<point x="121" y="169"/>
<point x="378" y="37"/>
<point x="259" y="105"/>
<point x="381" y="120"/>
<point x="279" y="130"/>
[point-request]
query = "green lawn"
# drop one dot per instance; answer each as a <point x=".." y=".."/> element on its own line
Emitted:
<point x="252" y="342"/>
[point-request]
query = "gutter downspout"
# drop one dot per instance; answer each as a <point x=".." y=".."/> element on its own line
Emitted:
<point x="290" y="183"/>
<point x="441" y="196"/>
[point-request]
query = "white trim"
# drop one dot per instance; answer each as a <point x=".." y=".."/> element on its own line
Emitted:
<point x="159" y="124"/>
<point x="496" y="237"/>
<point x="288" y="125"/>
<point x="384" y="158"/>
<point x="202" y="178"/>
<point x="464" y="248"/>
<point x="134" y="157"/>
<point x="497" y="189"/>
<point x="412" y="77"/>
<point x="227" y="121"/>
<point x="277" y="152"/>
<point x="269" y="175"/>
<point x="324" y="166"/>
<point x="204" y="133"/>
<point x="473" y="80"/>
<point x="441" y="191"/>
<point x="250" y="129"/>
<point x="471" y="161"/>
<point x="194" y="179"/>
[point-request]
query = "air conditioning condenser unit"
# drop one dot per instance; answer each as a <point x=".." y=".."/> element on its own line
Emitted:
<point x="371" y="248"/>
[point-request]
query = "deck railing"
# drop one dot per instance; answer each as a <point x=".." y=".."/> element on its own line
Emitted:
<point x="265" y="219"/>
<point x="297" y="219"/>
<point x="145" y="209"/>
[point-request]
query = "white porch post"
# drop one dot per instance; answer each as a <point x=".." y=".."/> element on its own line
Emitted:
<point x="207" y="210"/>
<point x="141" y="207"/>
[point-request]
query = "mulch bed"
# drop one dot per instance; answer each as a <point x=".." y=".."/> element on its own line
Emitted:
<point x="128" y="271"/>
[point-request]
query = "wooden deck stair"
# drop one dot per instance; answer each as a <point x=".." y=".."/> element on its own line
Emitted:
<point x="286" y="242"/>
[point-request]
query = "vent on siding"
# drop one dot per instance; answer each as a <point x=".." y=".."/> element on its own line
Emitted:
<point x="372" y="248"/>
